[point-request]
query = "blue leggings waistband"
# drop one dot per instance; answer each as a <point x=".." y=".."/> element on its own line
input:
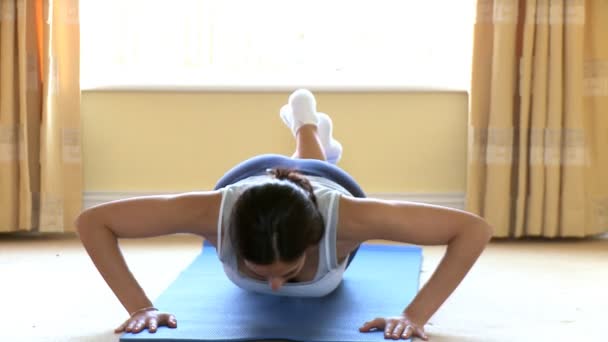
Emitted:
<point x="312" y="167"/>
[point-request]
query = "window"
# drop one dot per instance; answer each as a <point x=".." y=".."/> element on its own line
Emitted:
<point x="276" y="43"/>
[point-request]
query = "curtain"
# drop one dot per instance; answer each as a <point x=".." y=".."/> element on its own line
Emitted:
<point x="40" y="141"/>
<point x="538" y="124"/>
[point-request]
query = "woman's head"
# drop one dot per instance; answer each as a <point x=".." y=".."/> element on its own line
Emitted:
<point x="272" y="224"/>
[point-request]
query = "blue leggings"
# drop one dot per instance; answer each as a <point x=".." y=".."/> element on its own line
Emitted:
<point x="311" y="167"/>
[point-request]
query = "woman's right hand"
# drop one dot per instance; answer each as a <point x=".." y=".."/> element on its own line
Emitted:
<point x="147" y="319"/>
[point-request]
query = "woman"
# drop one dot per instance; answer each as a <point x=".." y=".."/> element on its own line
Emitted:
<point x="286" y="226"/>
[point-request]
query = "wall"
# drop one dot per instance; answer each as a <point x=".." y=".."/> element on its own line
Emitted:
<point x="395" y="142"/>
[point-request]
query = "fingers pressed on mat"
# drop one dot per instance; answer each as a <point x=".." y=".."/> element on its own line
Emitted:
<point x="399" y="329"/>
<point x="388" y="331"/>
<point x="152" y="325"/>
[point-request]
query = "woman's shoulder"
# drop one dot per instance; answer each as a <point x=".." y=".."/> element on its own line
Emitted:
<point x="351" y="210"/>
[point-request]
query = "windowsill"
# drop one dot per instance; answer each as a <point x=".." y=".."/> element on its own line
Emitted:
<point x="182" y="82"/>
<point x="277" y="88"/>
<point x="127" y="87"/>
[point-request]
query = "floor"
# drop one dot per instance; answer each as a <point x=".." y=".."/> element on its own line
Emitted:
<point x="518" y="291"/>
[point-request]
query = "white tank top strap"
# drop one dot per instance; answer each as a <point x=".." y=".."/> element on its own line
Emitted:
<point x="219" y="224"/>
<point x="229" y="196"/>
<point x="330" y="234"/>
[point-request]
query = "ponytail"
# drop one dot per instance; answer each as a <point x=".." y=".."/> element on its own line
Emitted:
<point x="296" y="178"/>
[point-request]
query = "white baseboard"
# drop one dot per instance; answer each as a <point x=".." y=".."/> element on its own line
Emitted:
<point x="451" y="200"/>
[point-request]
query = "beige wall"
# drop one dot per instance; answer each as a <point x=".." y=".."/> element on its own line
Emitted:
<point x="399" y="142"/>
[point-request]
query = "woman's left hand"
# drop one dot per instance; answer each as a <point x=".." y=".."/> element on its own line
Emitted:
<point x="396" y="327"/>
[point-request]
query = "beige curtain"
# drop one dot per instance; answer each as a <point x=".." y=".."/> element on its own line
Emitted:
<point x="538" y="129"/>
<point x="40" y="153"/>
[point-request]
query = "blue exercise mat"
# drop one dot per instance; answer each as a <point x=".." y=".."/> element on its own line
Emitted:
<point x="380" y="281"/>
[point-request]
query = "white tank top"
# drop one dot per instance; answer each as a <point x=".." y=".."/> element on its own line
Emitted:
<point x="329" y="272"/>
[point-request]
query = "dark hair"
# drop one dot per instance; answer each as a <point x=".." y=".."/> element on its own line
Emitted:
<point x="276" y="221"/>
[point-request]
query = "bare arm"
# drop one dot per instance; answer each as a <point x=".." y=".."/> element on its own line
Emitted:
<point x="465" y="235"/>
<point x="100" y="227"/>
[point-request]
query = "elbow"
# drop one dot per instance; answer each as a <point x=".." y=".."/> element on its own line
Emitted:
<point x="483" y="232"/>
<point x="490" y="231"/>
<point x="480" y="229"/>
<point x="478" y="232"/>
<point x="80" y="222"/>
<point x="84" y="222"/>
